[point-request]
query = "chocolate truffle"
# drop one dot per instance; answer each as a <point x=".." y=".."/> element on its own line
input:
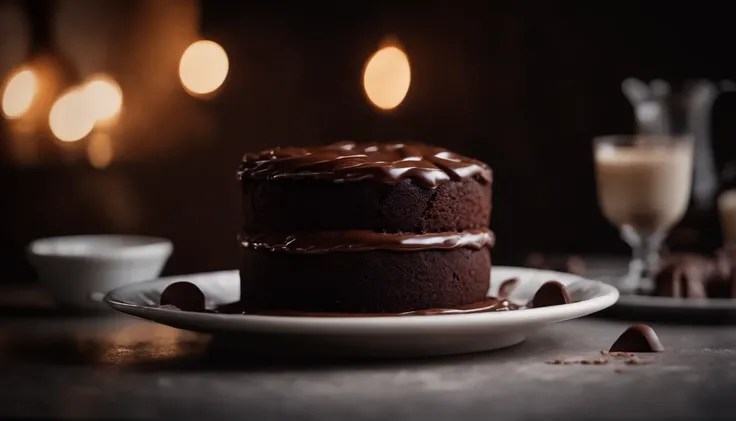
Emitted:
<point x="638" y="338"/>
<point x="183" y="295"/>
<point x="551" y="293"/>
<point x="364" y="228"/>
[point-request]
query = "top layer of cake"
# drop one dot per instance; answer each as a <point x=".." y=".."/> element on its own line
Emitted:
<point x="426" y="165"/>
<point x="391" y="188"/>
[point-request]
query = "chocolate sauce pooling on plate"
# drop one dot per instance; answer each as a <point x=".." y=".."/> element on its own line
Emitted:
<point x="349" y="161"/>
<point x="360" y="240"/>
<point x="488" y="305"/>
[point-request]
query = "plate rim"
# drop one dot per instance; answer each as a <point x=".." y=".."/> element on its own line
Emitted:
<point x="608" y="296"/>
<point x="672" y="303"/>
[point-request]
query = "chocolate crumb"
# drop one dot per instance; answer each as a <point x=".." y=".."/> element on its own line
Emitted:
<point x="621" y="354"/>
<point x="636" y="361"/>
<point x="637" y="338"/>
<point x="599" y="361"/>
<point x="568" y="362"/>
<point x="555" y="362"/>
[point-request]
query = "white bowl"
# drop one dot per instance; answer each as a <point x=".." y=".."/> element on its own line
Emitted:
<point x="77" y="271"/>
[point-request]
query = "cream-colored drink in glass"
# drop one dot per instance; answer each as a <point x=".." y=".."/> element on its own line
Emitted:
<point x="644" y="185"/>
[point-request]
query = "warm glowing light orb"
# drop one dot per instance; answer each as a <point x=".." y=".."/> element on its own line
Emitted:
<point x="19" y="93"/>
<point x="203" y="67"/>
<point x="387" y="77"/>
<point x="70" y="118"/>
<point x="104" y="97"/>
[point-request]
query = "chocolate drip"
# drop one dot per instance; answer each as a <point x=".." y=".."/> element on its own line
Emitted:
<point x="485" y="306"/>
<point x="360" y="240"/>
<point x="348" y="161"/>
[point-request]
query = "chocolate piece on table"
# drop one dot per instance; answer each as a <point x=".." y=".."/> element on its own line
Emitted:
<point x="683" y="276"/>
<point x="506" y="287"/>
<point x="183" y="295"/>
<point x="551" y="293"/>
<point x="638" y="338"/>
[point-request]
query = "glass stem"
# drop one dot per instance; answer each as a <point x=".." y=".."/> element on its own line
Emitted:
<point x="645" y="259"/>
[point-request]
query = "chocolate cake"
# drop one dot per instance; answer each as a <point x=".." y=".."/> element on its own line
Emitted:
<point x="364" y="228"/>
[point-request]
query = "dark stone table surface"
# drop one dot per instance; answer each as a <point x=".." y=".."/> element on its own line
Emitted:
<point x="119" y="367"/>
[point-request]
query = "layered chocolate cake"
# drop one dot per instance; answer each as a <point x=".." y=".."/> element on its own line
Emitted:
<point x="364" y="228"/>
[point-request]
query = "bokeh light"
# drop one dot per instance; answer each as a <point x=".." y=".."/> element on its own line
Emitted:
<point x="387" y="77"/>
<point x="105" y="98"/>
<point x="71" y="118"/>
<point x="19" y="93"/>
<point x="203" y="67"/>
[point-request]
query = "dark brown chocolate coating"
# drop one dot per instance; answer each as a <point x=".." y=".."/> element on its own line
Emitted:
<point x="289" y="206"/>
<point x="638" y="338"/>
<point x="183" y="295"/>
<point x="551" y="293"/>
<point x="488" y="305"/>
<point x="387" y="163"/>
<point x="361" y="240"/>
<point x="364" y="282"/>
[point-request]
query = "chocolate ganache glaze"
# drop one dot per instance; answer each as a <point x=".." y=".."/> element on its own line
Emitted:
<point x="360" y="240"/>
<point x="490" y="304"/>
<point x="427" y="165"/>
<point x="181" y="294"/>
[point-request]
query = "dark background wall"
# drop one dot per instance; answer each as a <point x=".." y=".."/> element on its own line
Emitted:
<point x="524" y="88"/>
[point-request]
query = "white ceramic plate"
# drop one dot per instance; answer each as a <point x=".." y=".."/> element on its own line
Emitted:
<point x="407" y="336"/>
<point x="628" y="301"/>
<point x="642" y="307"/>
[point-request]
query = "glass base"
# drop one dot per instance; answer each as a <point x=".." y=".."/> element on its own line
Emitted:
<point x="635" y="281"/>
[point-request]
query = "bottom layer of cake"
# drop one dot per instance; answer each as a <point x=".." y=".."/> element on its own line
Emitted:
<point x="364" y="282"/>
